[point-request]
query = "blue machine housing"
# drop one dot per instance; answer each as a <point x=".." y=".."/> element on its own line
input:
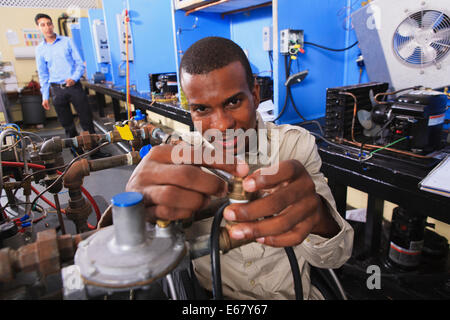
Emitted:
<point x="161" y="34"/>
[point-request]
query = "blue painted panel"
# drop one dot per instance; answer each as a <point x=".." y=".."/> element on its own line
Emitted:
<point x="110" y="9"/>
<point x="196" y="26"/>
<point x="88" y="50"/>
<point x="152" y="29"/>
<point x="153" y="46"/>
<point x="76" y="36"/>
<point x="322" y="24"/>
<point x="351" y="71"/>
<point x="246" y="31"/>
<point x="97" y="14"/>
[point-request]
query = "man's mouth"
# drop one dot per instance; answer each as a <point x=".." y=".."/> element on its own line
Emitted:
<point x="228" y="143"/>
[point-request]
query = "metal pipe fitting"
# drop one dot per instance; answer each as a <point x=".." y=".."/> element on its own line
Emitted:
<point x="45" y="255"/>
<point x="129" y="219"/>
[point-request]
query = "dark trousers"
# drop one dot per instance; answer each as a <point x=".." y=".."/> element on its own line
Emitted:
<point x="61" y="98"/>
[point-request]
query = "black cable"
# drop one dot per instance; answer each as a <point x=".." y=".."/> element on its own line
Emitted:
<point x="293" y="104"/>
<point x="298" y="288"/>
<point x="271" y="63"/>
<point x="287" y="89"/>
<point x="317" y="123"/>
<point x="288" y="92"/>
<point x="330" y="49"/>
<point x="215" y="253"/>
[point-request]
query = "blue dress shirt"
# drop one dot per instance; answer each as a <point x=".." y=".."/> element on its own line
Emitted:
<point x="57" y="62"/>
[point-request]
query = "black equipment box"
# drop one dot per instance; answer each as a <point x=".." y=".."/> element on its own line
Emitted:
<point x="163" y="83"/>
<point x="339" y="107"/>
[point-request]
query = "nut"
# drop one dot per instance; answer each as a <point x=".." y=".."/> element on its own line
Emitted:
<point x="6" y="263"/>
<point x="65" y="246"/>
<point x="27" y="258"/>
<point x="48" y="253"/>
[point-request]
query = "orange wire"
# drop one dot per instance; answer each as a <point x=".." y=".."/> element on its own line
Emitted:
<point x="355" y="103"/>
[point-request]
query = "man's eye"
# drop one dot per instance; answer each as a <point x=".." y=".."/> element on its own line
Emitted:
<point x="200" y="109"/>
<point x="234" y="102"/>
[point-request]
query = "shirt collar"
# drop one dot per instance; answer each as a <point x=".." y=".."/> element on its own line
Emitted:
<point x="261" y="125"/>
<point x="58" y="37"/>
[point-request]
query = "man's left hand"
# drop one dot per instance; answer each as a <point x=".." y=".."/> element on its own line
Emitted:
<point x="70" y="82"/>
<point x="291" y="211"/>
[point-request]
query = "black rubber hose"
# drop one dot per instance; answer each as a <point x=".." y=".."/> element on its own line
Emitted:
<point x="287" y="72"/>
<point x="293" y="104"/>
<point x="215" y="260"/>
<point x="215" y="254"/>
<point x="298" y="288"/>
<point x="330" y="49"/>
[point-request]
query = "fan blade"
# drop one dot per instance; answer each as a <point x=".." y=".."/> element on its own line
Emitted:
<point x="430" y="18"/>
<point x="408" y="28"/>
<point x="365" y="119"/>
<point x="442" y="35"/>
<point x="407" y="49"/>
<point x="429" y="53"/>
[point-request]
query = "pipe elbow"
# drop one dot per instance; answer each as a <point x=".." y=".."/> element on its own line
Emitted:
<point x="74" y="176"/>
<point x="50" y="147"/>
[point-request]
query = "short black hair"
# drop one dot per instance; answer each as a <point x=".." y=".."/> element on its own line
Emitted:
<point x="41" y="15"/>
<point x="212" y="53"/>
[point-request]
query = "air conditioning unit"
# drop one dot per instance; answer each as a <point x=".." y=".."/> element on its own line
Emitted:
<point x="405" y="42"/>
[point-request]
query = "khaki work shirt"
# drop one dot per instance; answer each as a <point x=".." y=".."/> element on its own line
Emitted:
<point x="257" y="271"/>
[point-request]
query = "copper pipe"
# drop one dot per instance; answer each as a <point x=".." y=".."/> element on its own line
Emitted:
<point x="45" y="255"/>
<point x="79" y="209"/>
<point x="391" y="93"/>
<point x="355" y="106"/>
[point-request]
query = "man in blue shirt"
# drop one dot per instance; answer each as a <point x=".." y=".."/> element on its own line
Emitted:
<point x="60" y="68"/>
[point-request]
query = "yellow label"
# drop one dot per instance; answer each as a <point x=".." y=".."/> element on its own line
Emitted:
<point x="125" y="132"/>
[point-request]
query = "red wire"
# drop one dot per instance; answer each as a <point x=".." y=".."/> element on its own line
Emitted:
<point x="83" y="190"/>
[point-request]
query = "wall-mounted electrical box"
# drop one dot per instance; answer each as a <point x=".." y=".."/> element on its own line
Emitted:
<point x="100" y="42"/>
<point x="291" y="41"/>
<point x="267" y="38"/>
<point x="121" y="29"/>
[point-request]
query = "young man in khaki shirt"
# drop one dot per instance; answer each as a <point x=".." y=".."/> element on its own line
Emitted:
<point x="295" y="207"/>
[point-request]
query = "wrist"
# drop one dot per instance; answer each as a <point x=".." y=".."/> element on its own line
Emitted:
<point x="327" y="226"/>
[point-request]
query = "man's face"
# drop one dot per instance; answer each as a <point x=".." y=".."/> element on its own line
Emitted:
<point x="46" y="27"/>
<point x="221" y="100"/>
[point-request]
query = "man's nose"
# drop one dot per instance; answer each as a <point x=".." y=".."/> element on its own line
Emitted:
<point x="223" y="121"/>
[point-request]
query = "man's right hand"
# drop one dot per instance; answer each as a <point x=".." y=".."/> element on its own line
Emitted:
<point x="46" y="105"/>
<point x="175" y="191"/>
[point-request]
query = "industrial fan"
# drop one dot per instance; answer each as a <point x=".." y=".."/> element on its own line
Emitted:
<point x="423" y="38"/>
<point x="405" y="42"/>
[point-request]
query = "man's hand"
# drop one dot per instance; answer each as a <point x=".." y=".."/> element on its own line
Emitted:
<point x="46" y="105"/>
<point x="69" y="82"/>
<point x="174" y="191"/>
<point x="291" y="211"/>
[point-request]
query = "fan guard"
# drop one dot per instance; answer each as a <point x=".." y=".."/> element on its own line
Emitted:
<point x="423" y="38"/>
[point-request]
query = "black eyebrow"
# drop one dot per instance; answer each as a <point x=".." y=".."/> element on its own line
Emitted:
<point x="228" y="100"/>
<point x="224" y="103"/>
<point x="197" y="105"/>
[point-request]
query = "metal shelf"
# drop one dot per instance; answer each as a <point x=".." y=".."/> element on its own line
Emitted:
<point x="223" y="7"/>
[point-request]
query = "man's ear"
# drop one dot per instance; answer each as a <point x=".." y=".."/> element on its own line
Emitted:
<point x="255" y="94"/>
